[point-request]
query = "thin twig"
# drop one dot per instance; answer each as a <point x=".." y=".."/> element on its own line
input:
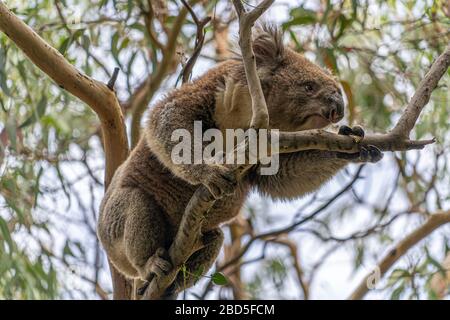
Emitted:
<point x="200" y="39"/>
<point x="113" y="79"/>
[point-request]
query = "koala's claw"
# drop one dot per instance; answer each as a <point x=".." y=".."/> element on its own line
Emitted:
<point x="374" y="154"/>
<point x="221" y="183"/>
<point x="345" y="130"/>
<point x="157" y="265"/>
<point x="357" y="131"/>
<point x="368" y="153"/>
<point x="171" y="292"/>
<point x="141" y="290"/>
<point x="161" y="265"/>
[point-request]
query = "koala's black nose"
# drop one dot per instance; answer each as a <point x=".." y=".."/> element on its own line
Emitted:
<point x="335" y="107"/>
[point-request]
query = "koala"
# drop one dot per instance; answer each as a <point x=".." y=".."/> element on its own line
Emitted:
<point x="142" y="208"/>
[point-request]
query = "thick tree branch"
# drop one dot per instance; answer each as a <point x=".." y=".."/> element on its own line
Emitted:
<point x="324" y="140"/>
<point x="433" y="222"/>
<point x="94" y="93"/>
<point x="148" y="17"/>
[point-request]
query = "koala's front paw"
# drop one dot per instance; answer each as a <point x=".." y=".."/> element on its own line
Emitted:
<point x="367" y="153"/>
<point x="356" y="131"/>
<point x="220" y="181"/>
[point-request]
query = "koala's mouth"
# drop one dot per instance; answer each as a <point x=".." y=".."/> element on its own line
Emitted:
<point x="315" y="121"/>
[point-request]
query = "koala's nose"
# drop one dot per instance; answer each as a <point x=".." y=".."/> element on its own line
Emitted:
<point x="335" y="107"/>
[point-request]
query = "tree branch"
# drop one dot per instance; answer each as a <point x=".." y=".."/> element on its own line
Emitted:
<point x="199" y="40"/>
<point x="433" y="222"/>
<point x="94" y="93"/>
<point x="296" y="260"/>
<point x="422" y="95"/>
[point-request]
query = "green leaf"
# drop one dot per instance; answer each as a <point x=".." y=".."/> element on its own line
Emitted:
<point x="114" y="46"/>
<point x="67" y="251"/>
<point x="5" y="232"/>
<point x="64" y="45"/>
<point x="77" y="34"/>
<point x="354" y="8"/>
<point x="137" y="26"/>
<point x="22" y="72"/>
<point x="294" y="38"/>
<point x="435" y="263"/>
<point x="2" y="104"/>
<point x="219" y="279"/>
<point x="198" y="273"/>
<point x="3" y="83"/>
<point x="397" y="275"/>
<point x="86" y="42"/>
<point x="301" y="16"/>
<point x="42" y="105"/>
<point x="397" y="292"/>
<point x="40" y="111"/>
<point x="11" y="128"/>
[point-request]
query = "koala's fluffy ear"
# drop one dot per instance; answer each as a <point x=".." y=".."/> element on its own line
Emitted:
<point x="268" y="47"/>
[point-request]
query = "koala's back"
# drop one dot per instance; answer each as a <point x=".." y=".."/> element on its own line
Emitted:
<point x="145" y="172"/>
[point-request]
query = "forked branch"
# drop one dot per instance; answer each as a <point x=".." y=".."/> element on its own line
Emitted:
<point x="199" y="40"/>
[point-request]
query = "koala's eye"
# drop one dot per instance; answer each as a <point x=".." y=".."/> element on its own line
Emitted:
<point x="309" y="87"/>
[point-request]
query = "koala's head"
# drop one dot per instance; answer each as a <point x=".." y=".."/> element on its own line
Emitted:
<point x="300" y="95"/>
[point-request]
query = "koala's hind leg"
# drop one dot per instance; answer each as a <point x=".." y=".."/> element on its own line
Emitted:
<point x="145" y="237"/>
<point x="200" y="261"/>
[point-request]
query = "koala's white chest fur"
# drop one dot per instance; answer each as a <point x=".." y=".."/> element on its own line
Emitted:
<point x="233" y="106"/>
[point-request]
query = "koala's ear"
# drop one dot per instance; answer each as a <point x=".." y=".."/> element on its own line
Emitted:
<point x="268" y="46"/>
